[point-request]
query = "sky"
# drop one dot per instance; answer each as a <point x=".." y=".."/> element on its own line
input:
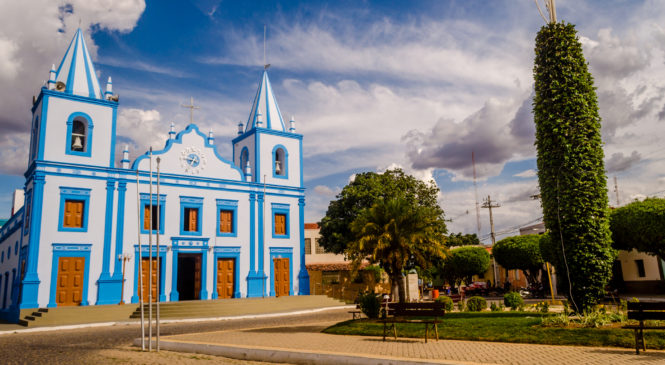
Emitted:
<point x="373" y="85"/>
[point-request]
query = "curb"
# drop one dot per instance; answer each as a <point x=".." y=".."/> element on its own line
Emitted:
<point x="168" y="321"/>
<point x="290" y="356"/>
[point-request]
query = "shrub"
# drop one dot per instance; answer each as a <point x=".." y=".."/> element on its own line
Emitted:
<point x="496" y="308"/>
<point x="369" y="304"/>
<point x="447" y="303"/>
<point x="543" y="307"/>
<point x="460" y="305"/>
<point x="559" y="320"/>
<point x="476" y="304"/>
<point x="513" y="300"/>
<point x="623" y="305"/>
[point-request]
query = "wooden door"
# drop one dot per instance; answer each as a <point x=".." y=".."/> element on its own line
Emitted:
<point x="225" y="278"/>
<point x="144" y="276"/>
<point x="282" y="277"/>
<point x="197" y="277"/>
<point x="69" y="290"/>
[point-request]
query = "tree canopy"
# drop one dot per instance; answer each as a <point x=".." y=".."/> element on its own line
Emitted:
<point x="571" y="173"/>
<point x="459" y="239"/>
<point x="363" y="192"/>
<point x="465" y="262"/>
<point x="394" y="232"/>
<point x="521" y="253"/>
<point x="640" y="226"/>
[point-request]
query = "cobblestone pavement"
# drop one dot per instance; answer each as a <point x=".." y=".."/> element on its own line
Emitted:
<point x="307" y="338"/>
<point x="112" y="345"/>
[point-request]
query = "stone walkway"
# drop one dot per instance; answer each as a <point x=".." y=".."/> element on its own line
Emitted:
<point x="305" y="344"/>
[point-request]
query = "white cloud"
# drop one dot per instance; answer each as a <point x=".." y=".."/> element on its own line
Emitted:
<point x="324" y="190"/>
<point x="526" y="173"/>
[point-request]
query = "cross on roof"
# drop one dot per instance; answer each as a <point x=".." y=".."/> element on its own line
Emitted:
<point x="191" y="109"/>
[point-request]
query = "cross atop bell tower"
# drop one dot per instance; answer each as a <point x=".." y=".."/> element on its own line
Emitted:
<point x="191" y="107"/>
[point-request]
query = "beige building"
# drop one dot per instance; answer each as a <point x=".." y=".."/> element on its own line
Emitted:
<point x="330" y="273"/>
<point x="639" y="273"/>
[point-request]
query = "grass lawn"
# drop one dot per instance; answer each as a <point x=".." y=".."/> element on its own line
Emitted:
<point x="520" y="327"/>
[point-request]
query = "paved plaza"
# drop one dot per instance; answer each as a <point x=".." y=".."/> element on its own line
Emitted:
<point x="294" y="339"/>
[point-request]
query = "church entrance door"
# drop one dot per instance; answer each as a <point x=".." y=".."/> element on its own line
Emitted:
<point x="225" y="278"/>
<point x="70" y="280"/>
<point x="145" y="265"/>
<point x="282" y="279"/>
<point x="189" y="276"/>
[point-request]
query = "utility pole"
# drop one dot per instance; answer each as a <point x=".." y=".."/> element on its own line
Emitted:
<point x="489" y="204"/>
<point x="616" y="190"/>
<point x="475" y="187"/>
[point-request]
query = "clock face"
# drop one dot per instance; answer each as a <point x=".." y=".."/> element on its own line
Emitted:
<point x="192" y="160"/>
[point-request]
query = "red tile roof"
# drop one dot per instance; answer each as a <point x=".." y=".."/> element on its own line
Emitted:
<point x="311" y="226"/>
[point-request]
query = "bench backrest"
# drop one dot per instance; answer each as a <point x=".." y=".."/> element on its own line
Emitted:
<point x="646" y="310"/>
<point x="417" y="309"/>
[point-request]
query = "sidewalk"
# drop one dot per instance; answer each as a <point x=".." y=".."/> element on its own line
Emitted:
<point x="306" y="345"/>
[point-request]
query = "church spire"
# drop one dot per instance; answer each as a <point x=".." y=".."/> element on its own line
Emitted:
<point x="76" y="73"/>
<point x="265" y="107"/>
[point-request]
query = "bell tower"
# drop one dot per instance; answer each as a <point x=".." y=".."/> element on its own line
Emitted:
<point x="73" y="121"/>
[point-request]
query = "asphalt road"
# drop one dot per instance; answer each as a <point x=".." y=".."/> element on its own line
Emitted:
<point x="112" y="345"/>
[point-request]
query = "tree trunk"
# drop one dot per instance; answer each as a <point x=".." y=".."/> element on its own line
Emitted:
<point x="400" y="288"/>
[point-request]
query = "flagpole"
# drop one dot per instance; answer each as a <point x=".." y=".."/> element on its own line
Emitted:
<point x="159" y="263"/>
<point x="150" y="262"/>
<point x="140" y="263"/>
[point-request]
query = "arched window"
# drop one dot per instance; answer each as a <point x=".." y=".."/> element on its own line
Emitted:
<point x="79" y="134"/>
<point x="280" y="166"/>
<point x="244" y="157"/>
<point x="34" y="140"/>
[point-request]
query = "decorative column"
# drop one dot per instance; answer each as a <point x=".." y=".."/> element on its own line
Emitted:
<point x="105" y="292"/>
<point x="303" y="276"/>
<point x="119" y="240"/>
<point x="262" y="235"/>
<point x="30" y="289"/>
<point x="253" y="278"/>
<point x="175" y="295"/>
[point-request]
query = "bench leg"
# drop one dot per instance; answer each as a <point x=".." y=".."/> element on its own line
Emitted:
<point x="436" y="330"/>
<point x="395" y="330"/>
<point x="637" y="342"/>
<point x="426" y="331"/>
<point x="644" y="343"/>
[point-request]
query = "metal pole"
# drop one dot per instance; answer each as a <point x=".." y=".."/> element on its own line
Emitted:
<point x="549" y="277"/>
<point x="140" y="263"/>
<point x="159" y="263"/>
<point x="263" y="232"/>
<point x="150" y="262"/>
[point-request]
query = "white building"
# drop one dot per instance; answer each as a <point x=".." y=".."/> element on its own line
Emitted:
<point x="227" y="227"/>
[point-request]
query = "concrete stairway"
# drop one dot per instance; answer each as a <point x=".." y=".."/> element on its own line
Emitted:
<point x="74" y="315"/>
<point x="60" y="316"/>
<point x="237" y="307"/>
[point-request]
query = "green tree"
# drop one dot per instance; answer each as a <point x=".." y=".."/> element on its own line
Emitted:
<point x="570" y="163"/>
<point x="394" y="232"/>
<point x="520" y="253"/>
<point x="459" y="239"/>
<point x="362" y="193"/>
<point x="640" y="226"/>
<point x="465" y="262"/>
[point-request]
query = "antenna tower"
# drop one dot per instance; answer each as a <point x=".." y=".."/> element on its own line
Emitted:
<point x="475" y="187"/>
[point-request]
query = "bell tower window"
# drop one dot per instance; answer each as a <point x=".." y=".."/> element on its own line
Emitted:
<point x="280" y="168"/>
<point x="244" y="156"/>
<point x="79" y="135"/>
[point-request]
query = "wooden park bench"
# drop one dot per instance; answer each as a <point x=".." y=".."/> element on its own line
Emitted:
<point x="413" y="313"/>
<point x="642" y="311"/>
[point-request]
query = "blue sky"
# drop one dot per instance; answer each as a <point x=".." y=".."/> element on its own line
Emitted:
<point x="372" y="85"/>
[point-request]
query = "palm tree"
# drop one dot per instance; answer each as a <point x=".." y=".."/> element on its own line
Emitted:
<point x="394" y="233"/>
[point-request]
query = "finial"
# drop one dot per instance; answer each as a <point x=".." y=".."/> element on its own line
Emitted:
<point x="248" y="171"/>
<point x="109" y="87"/>
<point x="211" y="139"/>
<point x="51" y="78"/>
<point x="125" y="157"/>
<point x="259" y="118"/>
<point x="292" y="123"/>
<point x="240" y="125"/>
<point x="172" y="131"/>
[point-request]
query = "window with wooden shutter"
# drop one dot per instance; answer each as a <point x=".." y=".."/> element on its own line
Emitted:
<point x="147" y="216"/>
<point x="280" y="224"/>
<point x="73" y="216"/>
<point x="191" y="219"/>
<point x="226" y="221"/>
<point x="308" y="246"/>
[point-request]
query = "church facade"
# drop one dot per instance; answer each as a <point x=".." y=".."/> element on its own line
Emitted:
<point x="227" y="228"/>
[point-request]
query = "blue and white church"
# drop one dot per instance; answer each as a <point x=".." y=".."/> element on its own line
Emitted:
<point x="228" y="228"/>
